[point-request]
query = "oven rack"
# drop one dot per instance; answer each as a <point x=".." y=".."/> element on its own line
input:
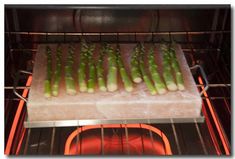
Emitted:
<point x="65" y="123"/>
<point x="176" y="128"/>
<point x="37" y="146"/>
<point x="119" y="33"/>
<point x="133" y="37"/>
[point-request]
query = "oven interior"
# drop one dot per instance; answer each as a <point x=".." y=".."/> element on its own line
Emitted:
<point x="202" y="31"/>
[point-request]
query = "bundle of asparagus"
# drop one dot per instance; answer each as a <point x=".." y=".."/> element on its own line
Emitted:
<point x="112" y="70"/>
<point x="147" y="80"/>
<point x="57" y="72"/>
<point x="82" y="67"/>
<point x="125" y="78"/>
<point x="176" y="68"/>
<point x="87" y="70"/>
<point x="100" y="70"/>
<point x="158" y="82"/>
<point x="69" y="81"/>
<point x="167" y="69"/>
<point x="135" y="71"/>
<point x="47" y="81"/>
<point x="91" y="80"/>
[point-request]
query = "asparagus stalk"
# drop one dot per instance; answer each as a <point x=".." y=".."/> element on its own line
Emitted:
<point x="125" y="78"/>
<point x="47" y="81"/>
<point x="57" y="73"/>
<point x="176" y="68"/>
<point x="158" y="82"/>
<point x="82" y="67"/>
<point x="100" y="71"/>
<point x="147" y="80"/>
<point x="91" y="80"/>
<point x="69" y="81"/>
<point x="167" y="70"/>
<point x="135" y="71"/>
<point x="112" y="70"/>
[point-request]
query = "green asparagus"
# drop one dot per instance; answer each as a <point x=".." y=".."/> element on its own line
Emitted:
<point x="176" y="69"/>
<point x="82" y="67"/>
<point x="100" y="70"/>
<point x="69" y="81"/>
<point x="47" y="81"/>
<point x="167" y="70"/>
<point x="158" y="82"/>
<point x="135" y="71"/>
<point x="91" y="80"/>
<point x="57" y="73"/>
<point x="147" y="80"/>
<point x="125" y="78"/>
<point x="112" y="70"/>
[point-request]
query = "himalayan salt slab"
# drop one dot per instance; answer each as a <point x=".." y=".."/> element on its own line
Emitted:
<point x="118" y="105"/>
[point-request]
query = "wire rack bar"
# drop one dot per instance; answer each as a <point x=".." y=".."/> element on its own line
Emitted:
<point x="119" y="33"/>
<point x="102" y="140"/>
<point x="201" y="138"/>
<point x="52" y="140"/>
<point x="176" y="138"/>
<point x="67" y="123"/>
<point x="127" y="139"/>
<point x="27" y="142"/>
<point x="186" y="50"/>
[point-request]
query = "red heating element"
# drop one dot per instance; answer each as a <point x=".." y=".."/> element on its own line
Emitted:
<point x="134" y="144"/>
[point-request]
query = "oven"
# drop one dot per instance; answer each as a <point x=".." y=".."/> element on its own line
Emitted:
<point x="204" y="33"/>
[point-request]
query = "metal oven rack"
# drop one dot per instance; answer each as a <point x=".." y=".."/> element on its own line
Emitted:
<point x="185" y="138"/>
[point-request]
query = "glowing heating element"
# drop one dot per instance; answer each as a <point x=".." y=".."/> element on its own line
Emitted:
<point x="16" y="118"/>
<point x="216" y="121"/>
<point x="144" y="126"/>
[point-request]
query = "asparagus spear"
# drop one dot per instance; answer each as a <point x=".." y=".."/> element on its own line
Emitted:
<point x="147" y="80"/>
<point x="135" y="71"/>
<point x="91" y="80"/>
<point x="112" y="70"/>
<point x="82" y="67"/>
<point x="125" y="78"/>
<point x="47" y="81"/>
<point x="57" y="73"/>
<point x="176" y="68"/>
<point x="167" y="70"/>
<point x="158" y="83"/>
<point x="69" y="81"/>
<point x="100" y="70"/>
